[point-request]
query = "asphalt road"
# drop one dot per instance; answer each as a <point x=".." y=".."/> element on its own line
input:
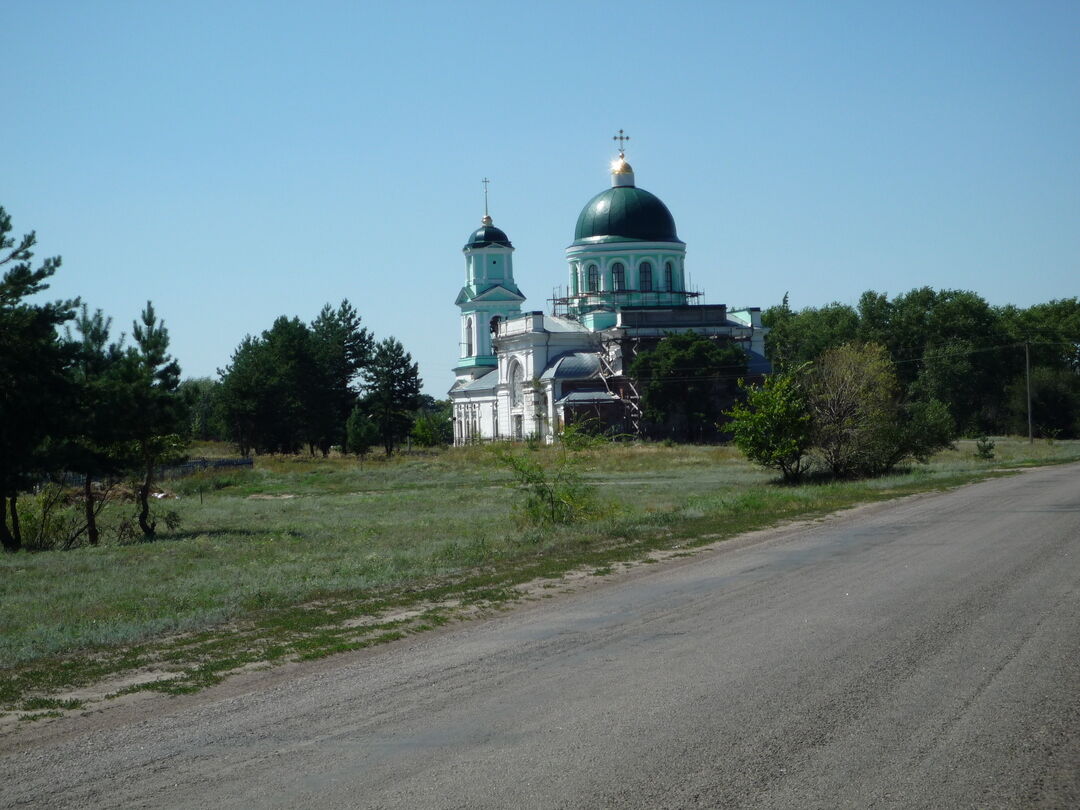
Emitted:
<point x="924" y="653"/>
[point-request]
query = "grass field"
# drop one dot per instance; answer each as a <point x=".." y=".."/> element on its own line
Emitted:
<point x="301" y="557"/>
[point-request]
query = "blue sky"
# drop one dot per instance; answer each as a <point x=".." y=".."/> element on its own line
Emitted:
<point x="241" y="160"/>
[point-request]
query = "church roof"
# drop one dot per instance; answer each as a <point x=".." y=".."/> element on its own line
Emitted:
<point x="573" y="366"/>
<point x="625" y="214"/>
<point x="587" y="398"/>
<point x="507" y="291"/>
<point x="485" y="383"/>
<point x="555" y="323"/>
<point x="486" y="236"/>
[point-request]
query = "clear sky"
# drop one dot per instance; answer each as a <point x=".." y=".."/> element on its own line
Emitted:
<point x="236" y="161"/>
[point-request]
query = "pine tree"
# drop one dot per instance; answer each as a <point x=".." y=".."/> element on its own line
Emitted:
<point x="241" y="399"/>
<point x="155" y="413"/>
<point x="392" y="386"/>
<point x="340" y="349"/>
<point x="97" y="429"/>
<point x="361" y="433"/>
<point x="35" y="387"/>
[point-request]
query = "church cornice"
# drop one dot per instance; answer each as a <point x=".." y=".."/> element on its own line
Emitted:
<point x="496" y="293"/>
<point x="627" y="247"/>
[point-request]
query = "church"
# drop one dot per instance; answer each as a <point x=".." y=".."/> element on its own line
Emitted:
<point x="529" y="373"/>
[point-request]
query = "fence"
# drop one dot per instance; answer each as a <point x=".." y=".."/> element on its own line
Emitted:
<point x="189" y="467"/>
<point x="195" y="465"/>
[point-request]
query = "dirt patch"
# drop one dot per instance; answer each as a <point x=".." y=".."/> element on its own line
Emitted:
<point x="283" y="497"/>
<point x="401" y="615"/>
<point x="111" y="686"/>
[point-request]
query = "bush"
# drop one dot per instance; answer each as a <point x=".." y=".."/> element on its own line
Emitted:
<point x="361" y="433"/>
<point x="860" y="427"/>
<point x="772" y="428"/>
<point x="49" y="520"/>
<point x="555" y="496"/>
<point x="583" y="435"/>
<point x="844" y="413"/>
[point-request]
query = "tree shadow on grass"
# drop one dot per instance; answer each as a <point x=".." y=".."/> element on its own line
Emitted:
<point x="825" y="477"/>
<point x="161" y="537"/>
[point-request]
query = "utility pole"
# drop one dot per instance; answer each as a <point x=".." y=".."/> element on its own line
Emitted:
<point x="1027" y="374"/>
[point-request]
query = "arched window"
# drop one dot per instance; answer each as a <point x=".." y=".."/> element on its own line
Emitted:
<point x="593" y="278"/>
<point x="645" y="277"/>
<point x="468" y="337"/>
<point x="618" y="276"/>
<point x="517" y="381"/>
<point x="493" y="325"/>
<point x="669" y="275"/>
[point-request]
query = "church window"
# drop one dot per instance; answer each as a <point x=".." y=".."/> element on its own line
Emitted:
<point x="618" y="276"/>
<point x="468" y="338"/>
<point x="517" y="381"/>
<point x="645" y="277"/>
<point x="593" y="278"/>
<point x="669" y="274"/>
<point x="493" y="325"/>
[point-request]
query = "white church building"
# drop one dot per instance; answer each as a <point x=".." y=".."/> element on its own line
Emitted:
<point x="530" y="373"/>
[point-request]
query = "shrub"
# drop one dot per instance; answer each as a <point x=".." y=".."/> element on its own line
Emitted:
<point x="555" y="496"/>
<point x="844" y="413"/>
<point x="772" y="428"/>
<point x="49" y="520"/>
<point x="583" y="435"/>
<point x="860" y="427"/>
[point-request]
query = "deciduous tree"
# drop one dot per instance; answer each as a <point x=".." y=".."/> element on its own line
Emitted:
<point x="686" y="381"/>
<point x="772" y="427"/>
<point x="860" y="425"/>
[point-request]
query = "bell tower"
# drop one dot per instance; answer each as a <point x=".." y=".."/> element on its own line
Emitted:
<point x="489" y="295"/>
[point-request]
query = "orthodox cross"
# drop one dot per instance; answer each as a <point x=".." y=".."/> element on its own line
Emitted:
<point x="485" y="181"/>
<point x="622" y="139"/>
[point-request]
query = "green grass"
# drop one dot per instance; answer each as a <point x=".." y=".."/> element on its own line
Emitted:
<point x="252" y="576"/>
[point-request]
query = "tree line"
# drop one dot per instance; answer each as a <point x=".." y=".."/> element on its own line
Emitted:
<point x="77" y="403"/>
<point x="316" y="387"/>
<point x="951" y="346"/>
<point x="72" y="399"/>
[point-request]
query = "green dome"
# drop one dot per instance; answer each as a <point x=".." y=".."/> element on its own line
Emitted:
<point x="625" y="214"/>
<point x="488" y="235"/>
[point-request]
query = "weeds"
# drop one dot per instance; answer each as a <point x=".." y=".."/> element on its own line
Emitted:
<point x="553" y="496"/>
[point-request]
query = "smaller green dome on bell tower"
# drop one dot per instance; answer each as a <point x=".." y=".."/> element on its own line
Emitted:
<point x="487" y="234"/>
